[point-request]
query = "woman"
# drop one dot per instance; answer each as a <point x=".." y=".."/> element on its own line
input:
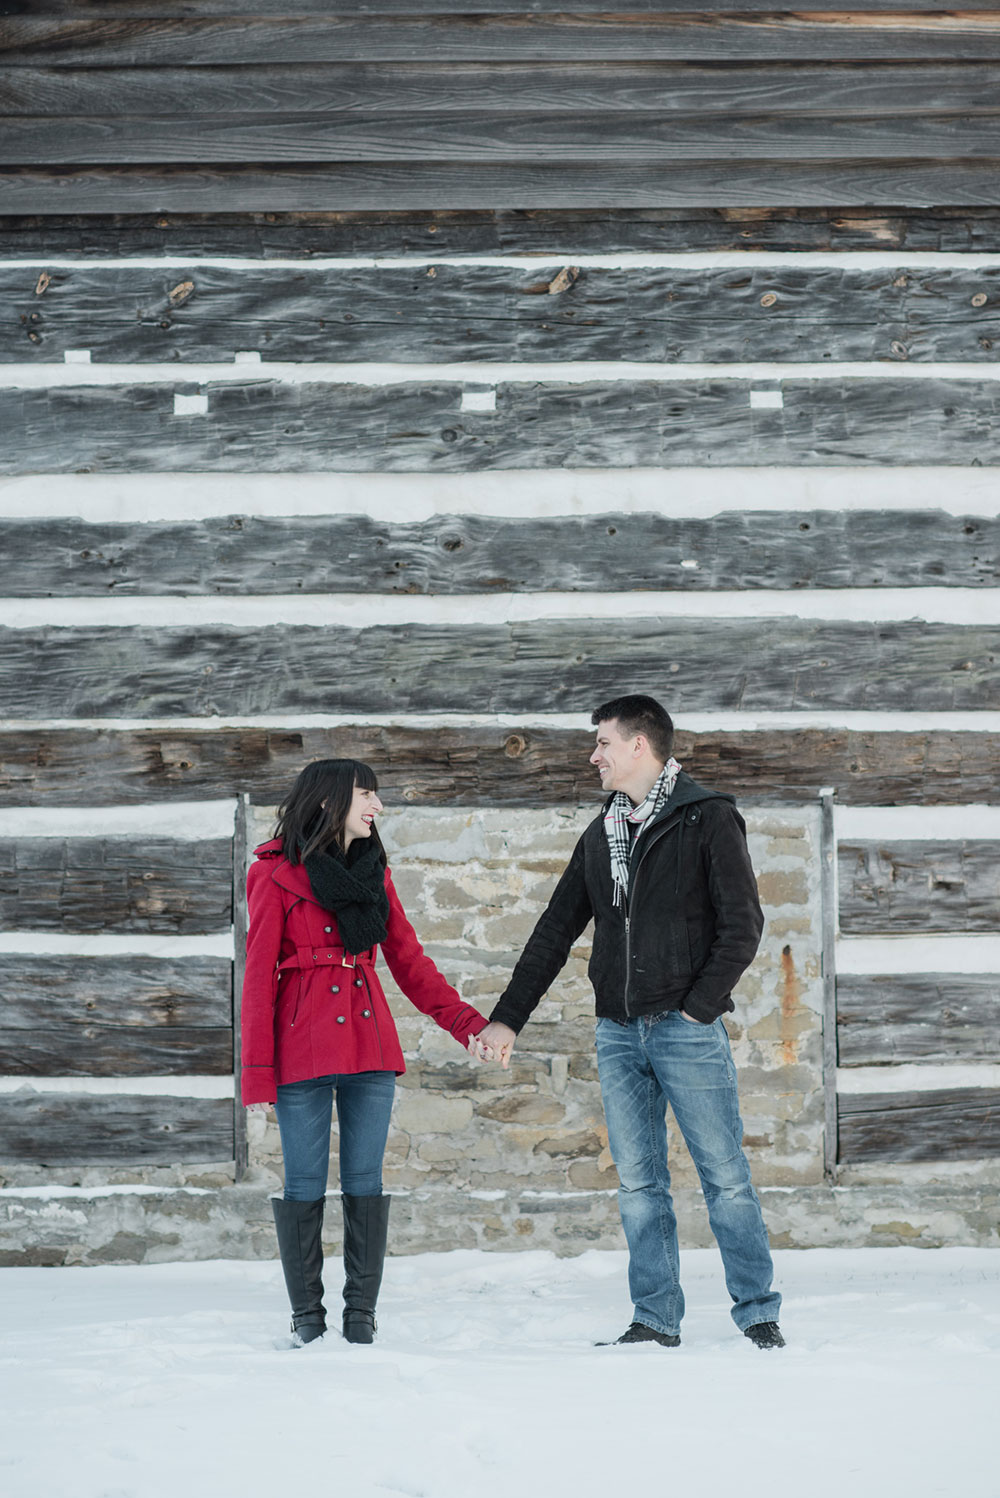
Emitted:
<point x="316" y="1026"/>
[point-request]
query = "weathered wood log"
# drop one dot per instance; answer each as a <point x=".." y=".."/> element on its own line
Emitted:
<point x="283" y="428"/>
<point x="456" y="38"/>
<point x="128" y="993"/>
<point x="896" y="887"/>
<point x="461" y="554"/>
<point x="751" y="664"/>
<point x="454" y="312"/>
<point x="93" y="884"/>
<point x="413" y="89"/>
<point x="484" y="766"/>
<point x="527" y="185"/>
<point x="99" y="1050"/>
<point x="558" y="232"/>
<point x="55" y="1128"/>
<point x="484" y="137"/>
<point x="959" y="1123"/>
<point x="894" y="1017"/>
<point x="117" y="10"/>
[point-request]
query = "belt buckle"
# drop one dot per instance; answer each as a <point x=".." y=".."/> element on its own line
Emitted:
<point x="353" y="962"/>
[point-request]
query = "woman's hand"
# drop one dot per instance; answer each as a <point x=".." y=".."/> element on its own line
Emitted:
<point x="257" y="1107"/>
<point x="497" y="1041"/>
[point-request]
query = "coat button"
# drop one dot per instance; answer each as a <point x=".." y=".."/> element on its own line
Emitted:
<point x="335" y="988"/>
<point x="340" y="1019"/>
<point x="358" y="983"/>
<point x="366" y="1014"/>
<point x="328" y="929"/>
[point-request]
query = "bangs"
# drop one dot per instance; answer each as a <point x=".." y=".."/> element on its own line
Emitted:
<point x="364" y="776"/>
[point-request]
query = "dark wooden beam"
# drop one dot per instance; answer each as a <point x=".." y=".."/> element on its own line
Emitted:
<point x="100" y="1050"/>
<point x="737" y="37"/>
<point x="557" y="232"/>
<point x="92" y="884"/>
<point x="127" y="992"/>
<point x="564" y="665"/>
<point x="482" y="138"/>
<point x="960" y="1123"/>
<point x="535" y="184"/>
<point x="483" y="766"/>
<point x="459" y="554"/>
<point x="54" y="1128"/>
<point x="898" y="887"/>
<point x="453" y="312"/>
<point x="384" y="90"/>
<point x="899" y="1017"/>
<point x="277" y="427"/>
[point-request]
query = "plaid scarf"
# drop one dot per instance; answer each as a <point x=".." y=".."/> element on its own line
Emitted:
<point x="621" y="812"/>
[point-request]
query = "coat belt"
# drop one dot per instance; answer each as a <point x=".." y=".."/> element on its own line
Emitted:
<point x="331" y="956"/>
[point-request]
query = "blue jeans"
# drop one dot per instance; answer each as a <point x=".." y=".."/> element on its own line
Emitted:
<point x="644" y="1065"/>
<point x="305" y="1113"/>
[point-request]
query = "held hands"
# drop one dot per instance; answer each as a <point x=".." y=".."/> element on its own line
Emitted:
<point x="494" y="1043"/>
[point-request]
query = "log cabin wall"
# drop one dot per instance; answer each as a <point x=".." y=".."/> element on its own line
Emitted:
<point x="402" y="383"/>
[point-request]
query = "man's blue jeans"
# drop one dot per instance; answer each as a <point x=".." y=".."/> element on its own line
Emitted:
<point x="305" y="1113"/>
<point x="644" y="1065"/>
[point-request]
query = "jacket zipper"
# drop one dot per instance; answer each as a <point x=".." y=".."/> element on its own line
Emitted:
<point x="628" y="924"/>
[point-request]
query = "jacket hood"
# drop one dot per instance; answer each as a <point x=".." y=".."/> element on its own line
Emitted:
<point x="686" y="791"/>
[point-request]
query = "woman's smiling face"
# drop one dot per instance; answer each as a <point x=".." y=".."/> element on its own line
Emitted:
<point x="364" y="807"/>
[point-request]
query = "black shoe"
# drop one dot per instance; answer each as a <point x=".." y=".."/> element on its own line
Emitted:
<point x="765" y="1335"/>
<point x="366" y="1225"/>
<point x="639" y="1332"/>
<point x="299" y="1226"/>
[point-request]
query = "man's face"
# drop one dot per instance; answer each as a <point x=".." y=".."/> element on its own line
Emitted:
<point x="613" y="756"/>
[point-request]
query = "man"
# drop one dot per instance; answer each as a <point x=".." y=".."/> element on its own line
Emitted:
<point x="665" y="874"/>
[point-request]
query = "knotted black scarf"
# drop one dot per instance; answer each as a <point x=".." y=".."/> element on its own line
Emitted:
<point x="353" y="888"/>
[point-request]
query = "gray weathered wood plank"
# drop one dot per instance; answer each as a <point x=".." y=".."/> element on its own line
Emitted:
<point x="362" y="90"/>
<point x="484" y="767"/>
<point x="126" y="314"/>
<point x="903" y="1017"/>
<point x="557" y="233"/>
<point x="483" y="138"/>
<point x="183" y="9"/>
<point x="239" y="555"/>
<point x="127" y="992"/>
<point x="536" y="184"/>
<point x="93" y="884"/>
<point x="99" y="1050"/>
<point x="385" y="38"/>
<point x="960" y="1123"/>
<point x="56" y="1128"/>
<point x="281" y="427"/>
<point x="562" y="665"/>
<point x="899" y="887"/>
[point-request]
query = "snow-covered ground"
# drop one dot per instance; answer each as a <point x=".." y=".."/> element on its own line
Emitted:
<point x="175" y="1381"/>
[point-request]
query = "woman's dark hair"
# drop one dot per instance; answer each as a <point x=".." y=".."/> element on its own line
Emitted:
<point x="311" y="818"/>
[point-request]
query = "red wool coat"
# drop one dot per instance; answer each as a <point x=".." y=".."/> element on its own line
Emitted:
<point x="312" y="1010"/>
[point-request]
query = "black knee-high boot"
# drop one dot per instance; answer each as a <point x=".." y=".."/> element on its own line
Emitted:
<point x="366" y="1224"/>
<point x="300" y="1226"/>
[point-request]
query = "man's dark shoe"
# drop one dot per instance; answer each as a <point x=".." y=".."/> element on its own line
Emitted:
<point x="638" y="1332"/>
<point x="765" y="1334"/>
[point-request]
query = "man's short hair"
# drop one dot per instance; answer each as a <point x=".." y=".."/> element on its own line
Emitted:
<point x="639" y="714"/>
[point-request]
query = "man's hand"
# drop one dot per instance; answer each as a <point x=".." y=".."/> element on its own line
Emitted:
<point x="499" y="1040"/>
<point x="690" y="1018"/>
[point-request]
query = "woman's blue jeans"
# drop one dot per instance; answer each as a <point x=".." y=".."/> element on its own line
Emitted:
<point x="305" y="1114"/>
<point x="644" y="1065"/>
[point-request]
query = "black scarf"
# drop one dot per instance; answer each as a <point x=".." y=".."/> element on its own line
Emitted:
<point x="353" y="888"/>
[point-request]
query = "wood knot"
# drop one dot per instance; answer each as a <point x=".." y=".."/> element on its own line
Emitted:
<point x="181" y="292"/>
<point x="980" y="299"/>
<point x="564" y="280"/>
<point x="769" y="298"/>
<point x="515" y="745"/>
<point x="43" y="283"/>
